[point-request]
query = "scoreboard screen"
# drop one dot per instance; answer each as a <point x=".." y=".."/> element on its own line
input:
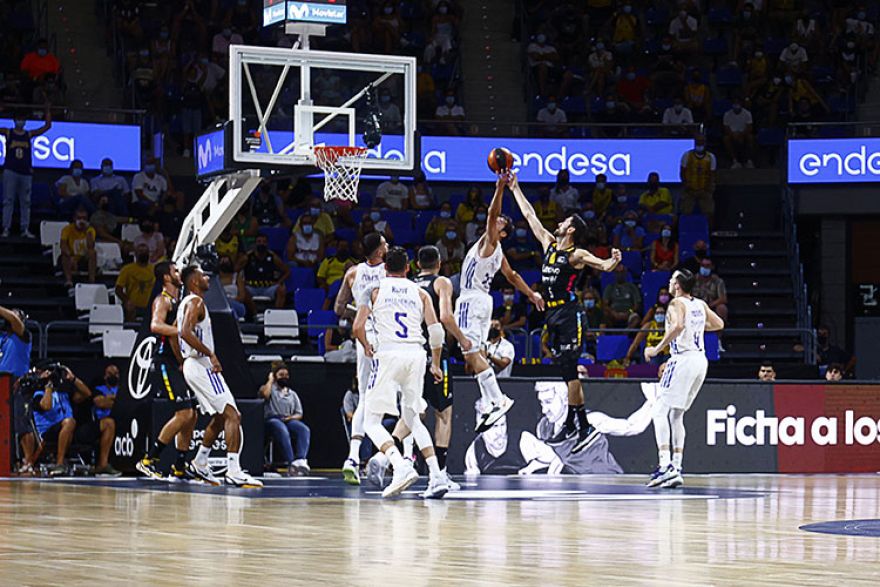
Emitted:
<point x="317" y="11"/>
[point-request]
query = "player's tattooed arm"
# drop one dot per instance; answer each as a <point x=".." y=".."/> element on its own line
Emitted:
<point x="359" y="328"/>
<point x="340" y="306"/>
<point x="544" y="236"/>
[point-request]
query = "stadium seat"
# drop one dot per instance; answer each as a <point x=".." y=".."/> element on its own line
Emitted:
<point x="281" y="327"/>
<point x="771" y="137"/>
<point x="632" y="260"/>
<point x="86" y="295"/>
<point x="306" y="299"/>
<point x="333" y="290"/>
<point x="50" y="232"/>
<point x="41" y="199"/>
<point x="611" y="346"/>
<point x="715" y="46"/>
<point x="531" y="276"/>
<point x="319" y="321"/>
<point x="346" y="234"/>
<point x="118" y="343"/>
<point x="420" y="225"/>
<point x="278" y="237"/>
<point x="104" y="317"/>
<point x="300" y="277"/>
<point x="694" y="223"/>
<point x="652" y="281"/>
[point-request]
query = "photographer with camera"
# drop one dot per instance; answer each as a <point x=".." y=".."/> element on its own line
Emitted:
<point x="15" y="359"/>
<point x="53" y="411"/>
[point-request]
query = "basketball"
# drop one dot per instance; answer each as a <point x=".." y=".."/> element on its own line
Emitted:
<point x="500" y="160"/>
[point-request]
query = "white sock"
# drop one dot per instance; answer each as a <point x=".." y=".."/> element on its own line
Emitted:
<point x="202" y="456"/>
<point x="408" y="446"/>
<point x="395" y="457"/>
<point x="489" y="386"/>
<point x="354" y="449"/>
<point x="234" y="465"/>
<point x="676" y="458"/>
<point x="664" y="458"/>
<point x="433" y="466"/>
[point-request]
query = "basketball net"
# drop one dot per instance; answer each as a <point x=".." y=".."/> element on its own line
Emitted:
<point x="342" y="171"/>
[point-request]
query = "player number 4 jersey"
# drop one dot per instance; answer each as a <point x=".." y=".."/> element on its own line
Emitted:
<point x="398" y="313"/>
<point x="691" y="338"/>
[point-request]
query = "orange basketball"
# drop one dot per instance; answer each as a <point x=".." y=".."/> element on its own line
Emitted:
<point x="500" y="160"/>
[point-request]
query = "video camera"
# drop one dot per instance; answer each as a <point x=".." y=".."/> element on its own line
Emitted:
<point x="34" y="380"/>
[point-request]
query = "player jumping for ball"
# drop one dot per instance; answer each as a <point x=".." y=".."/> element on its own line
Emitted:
<point x="686" y="320"/>
<point x="563" y="263"/>
<point x="473" y="309"/>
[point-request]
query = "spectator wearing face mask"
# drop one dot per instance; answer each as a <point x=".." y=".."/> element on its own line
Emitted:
<point x="698" y="176"/>
<point x="305" y="246"/>
<point x="664" y="251"/>
<point x="73" y="191"/>
<point x="683" y="29"/>
<point x="232" y="282"/>
<point x="650" y="333"/>
<point x="443" y="31"/>
<point x="801" y="89"/>
<point x="698" y="97"/>
<point x="592" y="303"/>
<point x="386" y="28"/>
<point x="103" y="426"/>
<point x="323" y="221"/>
<point x="284" y="414"/>
<point x="522" y="252"/>
<point x="738" y="135"/>
<point x="601" y="196"/>
<point x="656" y="199"/>
<point x="392" y="194"/>
<point x="152" y="239"/>
<point x="711" y="289"/>
<point x="499" y="351"/>
<point x="420" y="195"/>
<point x="148" y="187"/>
<point x="332" y="269"/>
<point x="437" y="226"/>
<point x="677" y="117"/>
<point x="794" y="58"/>
<point x="601" y="63"/>
<point x="633" y="89"/>
<point x="552" y="116"/>
<point x="566" y="196"/>
<point x="749" y="28"/>
<point x="625" y="29"/>
<point x="511" y="313"/>
<point x="467" y="209"/>
<point x="267" y="208"/>
<point x="828" y="353"/>
<point x="628" y="235"/>
<point x="106" y="226"/>
<point x="450" y="112"/>
<point x="543" y="58"/>
<point x="621" y="301"/>
<point x="113" y="186"/>
<point x="452" y="249"/>
<point x="766" y="372"/>
<point x="18" y="171"/>
<point x="834" y="373"/>
<point x="265" y="273"/>
<point x="40" y="62"/>
<point x="392" y="122"/>
<point x="547" y="210"/>
<point x="700" y="252"/>
<point x="78" y="248"/>
<point x="135" y="283"/>
<point x="663" y="299"/>
<point x="373" y="222"/>
<point x="474" y="229"/>
<point x="620" y="205"/>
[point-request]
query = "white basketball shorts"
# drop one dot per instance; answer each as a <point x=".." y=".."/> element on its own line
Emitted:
<point x="210" y="388"/>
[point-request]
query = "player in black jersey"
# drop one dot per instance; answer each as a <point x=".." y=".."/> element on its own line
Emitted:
<point x="563" y="263"/>
<point x="166" y="379"/>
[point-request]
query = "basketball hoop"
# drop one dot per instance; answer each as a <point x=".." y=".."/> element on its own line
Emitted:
<point x="342" y="171"/>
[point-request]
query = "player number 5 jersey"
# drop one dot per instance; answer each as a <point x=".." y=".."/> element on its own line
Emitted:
<point x="477" y="272"/>
<point x="691" y="338"/>
<point x="398" y="313"/>
<point x="202" y="330"/>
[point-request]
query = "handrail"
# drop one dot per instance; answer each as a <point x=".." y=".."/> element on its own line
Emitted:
<point x="531" y="128"/>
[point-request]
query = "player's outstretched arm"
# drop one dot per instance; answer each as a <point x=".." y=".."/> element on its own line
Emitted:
<point x="544" y="236"/>
<point x="714" y="322"/>
<point x="516" y="280"/>
<point x="340" y="306"/>
<point x="674" y="327"/>
<point x="581" y="258"/>
<point x="443" y="287"/>
<point x="492" y="235"/>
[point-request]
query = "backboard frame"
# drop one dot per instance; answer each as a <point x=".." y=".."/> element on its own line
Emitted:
<point x="298" y="153"/>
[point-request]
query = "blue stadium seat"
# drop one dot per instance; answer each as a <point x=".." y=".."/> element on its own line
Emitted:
<point x="720" y="106"/>
<point x="771" y="137"/>
<point x="278" y="236"/>
<point x="536" y="346"/>
<point x="720" y="15"/>
<point x="574" y="105"/>
<point x="333" y="290"/>
<point x="728" y="76"/>
<point x="322" y="347"/>
<point x="644" y="132"/>
<point x="306" y="299"/>
<point x="632" y="260"/>
<point x="365" y="200"/>
<point x="611" y="346"/>
<point x="531" y="276"/>
<point x="319" y="320"/>
<point x="519" y="345"/>
<point x="346" y="234"/>
<point x="774" y="46"/>
<point x="715" y="46"/>
<point x="712" y="346"/>
<point x="607" y="279"/>
<point x="455" y="200"/>
<point x="693" y="223"/>
<point x="41" y="198"/>
<point x="300" y="278"/>
<point x="652" y="281"/>
<point x="421" y="222"/>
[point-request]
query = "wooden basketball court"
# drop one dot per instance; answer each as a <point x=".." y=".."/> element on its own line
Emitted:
<point x="718" y="530"/>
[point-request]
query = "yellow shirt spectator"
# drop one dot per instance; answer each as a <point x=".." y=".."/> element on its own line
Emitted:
<point x="548" y="213"/>
<point x="601" y="201"/>
<point x="77" y="240"/>
<point x="323" y="224"/>
<point x="658" y="202"/>
<point x="332" y="269"/>
<point x="137" y="281"/>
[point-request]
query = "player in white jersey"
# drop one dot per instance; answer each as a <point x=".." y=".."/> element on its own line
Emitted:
<point x="686" y="320"/>
<point x="473" y="309"/>
<point x="357" y="285"/>
<point x="203" y="374"/>
<point x="399" y="308"/>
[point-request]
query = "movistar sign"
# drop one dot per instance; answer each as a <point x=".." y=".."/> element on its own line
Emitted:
<point x="315" y="12"/>
<point x="834" y="161"/>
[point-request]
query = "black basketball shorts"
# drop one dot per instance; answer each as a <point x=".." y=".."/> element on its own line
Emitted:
<point x="439" y="395"/>
<point x="167" y="382"/>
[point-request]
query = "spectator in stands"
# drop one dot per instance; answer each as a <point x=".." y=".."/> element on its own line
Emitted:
<point x="749" y="28"/>
<point x="228" y="244"/>
<point x="335" y="337"/>
<point x="656" y="199"/>
<point x="332" y="269"/>
<point x="620" y="204"/>
<point x="53" y="414"/>
<point x="613" y="112"/>
<point x="698" y="97"/>
<point x="601" y="196"/>
<point x="592" y="304"/>
<point x="766" y="372"/>
<point x="420" y="195"/>
<point x="47" y="91"/>
<point x="15" y="342"/>
<point x="546" y="209"/>
<point x="543" y="59"/>
<point x="625" y="30"/>
<point x="628" y="235"/>
<point x="152" y="239"/>
<point x="677" y="117"/>
<point x="305" y="247"/>
<point x="246" y="227"/>
<point x="664" y="251"/>
<point x="511" y="313"/>
<point x="242" y="18"/>
<point x="349" y="404"/>
<point x="450" y="112"/>
<point x="757" y="72"/>
<point x="522" y="252"/>
<point x="284" y="414"/>
<point x="738" y="137"/>
<point x="392" y="194"/>
<point x="700" y="252"/>
<point x="103" y="427"/>
<point x="392" y="121"/>
<point x="711" y="289"/>
<point x="265" y="273"/>
<point x="651" y="332"/>
<point x="698" y="176"/>
<point x="834" y="373"/>
<point x="566" y="196"/>
<point x="622" y="301"/>
<point x="323" y="221"/>
<point x="601" y="62"/>
<point x="73" y="191"/>
<point x="802" y="89"/>
<point x="148" y="189"/>
<point x="135" y="283"/>
<point x="633" y="88"/>
<point x="106" y="224"/>
<point x="443" y="32"/>
<point x="169" y="218"/>
<point x="223" y="39"/>
<point x="662" y="303"/>
<point x="113" y="186"/>
<point x="369" y="225"/>
<point x="437" y="225"/>
<point x="267" y="208"/>
<point x="793" y="58"/>
<point x="475" y="228"/>
<point x="467" y="209"/>
<point x="553" y="117"/>
<point x="41" y="62"/>
<point x="499" y="351"/>
<point x="233" y="286"/>
<point x="768" y="99"/>
<point x="18" y="171"/>
<point x="192" y="106"/>
<point x="827" y="353"/>
<point x="684" y="30"/>
<point x="386" y="29"/>
<point x="426" y="92"/>
<point x="78" y="248"/>
<point x="452" y="249"/>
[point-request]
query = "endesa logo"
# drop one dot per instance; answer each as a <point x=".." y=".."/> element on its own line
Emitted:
<point x="834" y="161"/>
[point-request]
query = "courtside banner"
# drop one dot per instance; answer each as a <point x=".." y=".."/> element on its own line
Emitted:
<point x="87" y="142"/>
<point x="537" y="160"/>
<point x="834" y="160"/>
